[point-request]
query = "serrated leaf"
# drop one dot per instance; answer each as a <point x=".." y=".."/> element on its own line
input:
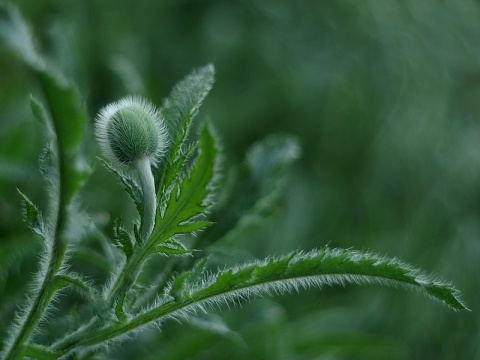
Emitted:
<point x="177" y="289"/>
<point x="191" y="227"/>
<point x="122" y="239"/>
<point x="179" y="110"/>
<point x="446" y="294"/>
<point x="194" y="289"/>
<point x="182" y="284"/>
<point x="32" y="216"/>
<point x="170" y="171"/>
<point x="172" y="247"/>
<point x="190" y="198"/>
<point x="130" y="185"/>
<point x="183" y="103"/>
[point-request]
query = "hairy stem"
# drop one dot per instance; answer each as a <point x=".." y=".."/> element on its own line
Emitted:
<point x="149" y="197"/>
<point x="128" y="275"/>
<point x="41" y="301"/>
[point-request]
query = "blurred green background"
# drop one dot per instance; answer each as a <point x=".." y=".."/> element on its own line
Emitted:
<point x="384" y="97"/>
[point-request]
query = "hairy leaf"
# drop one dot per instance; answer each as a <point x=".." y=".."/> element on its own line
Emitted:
<point x="182" y="105"/>
<point x="49" y="165"/>
<point x="172" y="247"/>
<point x="32" y="216"/>
<point x="182" y="283"/>
<point x="179" y="110"/>
<point x="130" y="185"/>
<point x="119" y="310"/>
<point x="122" y="239"/>
<point x="196" y="289"/>
<point x="79" y="284"/>
<point x="191" y="197"/>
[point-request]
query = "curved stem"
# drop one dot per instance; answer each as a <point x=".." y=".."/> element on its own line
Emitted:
<point x="132" y="268"/>
<point x="149" y="197"/>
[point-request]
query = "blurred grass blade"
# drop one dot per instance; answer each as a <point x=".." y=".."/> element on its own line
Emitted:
<point x="66" y="111"/>
<point x="18" y="37"/>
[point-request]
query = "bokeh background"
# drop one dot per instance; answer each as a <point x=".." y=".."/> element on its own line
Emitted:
<point x="384" y="97"/>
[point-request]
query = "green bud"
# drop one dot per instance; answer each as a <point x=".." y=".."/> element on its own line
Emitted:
<point x="131" y="132"/>
<point x="131" y="129"/>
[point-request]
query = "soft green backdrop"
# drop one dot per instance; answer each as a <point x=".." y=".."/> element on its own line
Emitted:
<point x="384" y="97"/>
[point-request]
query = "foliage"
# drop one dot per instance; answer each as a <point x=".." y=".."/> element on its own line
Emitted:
<point x="197" y="219"/>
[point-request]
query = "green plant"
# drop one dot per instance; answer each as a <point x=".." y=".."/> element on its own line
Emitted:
<point x="173" y="203"/>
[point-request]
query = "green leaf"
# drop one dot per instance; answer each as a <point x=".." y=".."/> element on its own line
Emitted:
<point x="122" y="239"/>
<point x="179" y="110"/>
<point x="261" y="181"/>
<point x="18" y="37"/>
<point x="33" y="351"/>
<point x="32" y="216"/>
<point x="82" y="287"/>
<point x="119" y="311"/>
<point x="172" y="247"/>
<point x="66" y="112"/>
<point x="49" y="165"/>
<point x="316" y="268"/>
<point x="68" y="118"/>
<point x="130" y="185"/>
<point x="267" y="162"/>
<point x="446" y="294"/>
<point x="271" y="155"/>
<point x="183" y="104"/>
<point x="177" y="290"/>
<point x="182" y="285"/>
<point x="170" y="171"/>
<point x="191" y="197"/>
<point x="197" y="289"/>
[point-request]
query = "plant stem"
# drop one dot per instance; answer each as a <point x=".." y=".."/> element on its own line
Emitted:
<point x="149" y="197"/>
<point x="131" y="269"/>
<point x="38" y="306"/>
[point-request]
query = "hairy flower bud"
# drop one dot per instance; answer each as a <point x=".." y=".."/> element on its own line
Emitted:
<point x="131" y="129"/>
<point x="131" y="132"/>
